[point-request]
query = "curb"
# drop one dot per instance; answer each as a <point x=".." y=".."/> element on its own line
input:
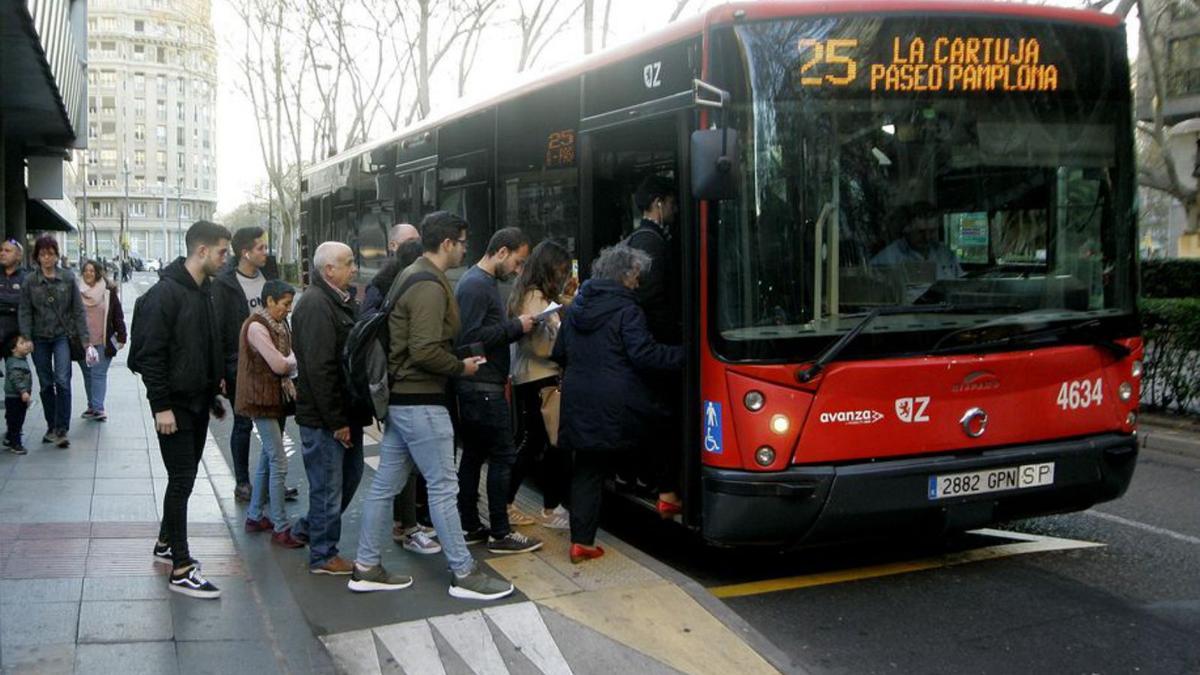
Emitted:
<point x="1172" y="441"/>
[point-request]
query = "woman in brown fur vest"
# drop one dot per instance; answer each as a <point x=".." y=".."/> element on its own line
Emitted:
<point x="265" y="394"/>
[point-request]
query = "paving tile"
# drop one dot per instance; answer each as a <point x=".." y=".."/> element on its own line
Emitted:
<point x="134" y="508"/>
<point x="125" y="588"/>
<point x="234" y="617"/>
<point x="50" y="469"/>
<point x="123" y="464"/>
<point x="25" y="591"/>
<point x="36" y="530"/>
<point x="65" y="509"/>
<point x="125" y="621"/>
<point x="128" y="658"/>
<point x="65" y="548"/>
<point x="51" y="659"/>
<point x="39" y="488"/>
<point x="220" y="658"/>
<point x="41" y="623"/>
<point x="124" y="486"/>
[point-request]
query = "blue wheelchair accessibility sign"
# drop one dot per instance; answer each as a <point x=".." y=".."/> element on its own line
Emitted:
<point x="712" y="427"/>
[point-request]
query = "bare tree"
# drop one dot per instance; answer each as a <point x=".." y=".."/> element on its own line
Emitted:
<point x="539" y="25"/>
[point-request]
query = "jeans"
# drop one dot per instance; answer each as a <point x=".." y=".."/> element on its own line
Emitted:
<point x="52" y="359"/>
<point x="333" y="475"/>
<point x="14" y="416"/>
<point x="486" y="432"/>
<point x="269" y="477"/>
<point x="421" y="435"/>
<point x="181" y="455"/>
<point x="95" y="381"/>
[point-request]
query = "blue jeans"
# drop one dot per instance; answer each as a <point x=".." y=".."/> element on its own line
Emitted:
<point x="421" y="435"/>
<point x="270" y="476"/>
<point x="95" y="381"/>
<point x="52" y="359"/>
<point x="486" y="431"/>
<point x="333" y="475"/>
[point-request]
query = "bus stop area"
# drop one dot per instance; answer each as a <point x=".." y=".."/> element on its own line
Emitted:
<point x="80" y="591"/>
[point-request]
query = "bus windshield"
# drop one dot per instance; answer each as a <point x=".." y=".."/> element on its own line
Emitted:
<point x="981" y="164"/>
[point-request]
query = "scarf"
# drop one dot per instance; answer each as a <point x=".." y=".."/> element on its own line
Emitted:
<point x="279" y="330"/>
<point x="95" y="306"/>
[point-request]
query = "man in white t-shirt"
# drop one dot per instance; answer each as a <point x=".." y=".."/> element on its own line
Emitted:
<point x="237" y="291"/>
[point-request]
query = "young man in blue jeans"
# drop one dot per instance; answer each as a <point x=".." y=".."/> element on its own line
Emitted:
<point x="421" y="330"/>
<point x="330" y="434"/>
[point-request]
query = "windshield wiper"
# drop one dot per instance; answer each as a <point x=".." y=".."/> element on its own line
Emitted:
<point x="831" y="352"/>
<point x="1080" y="329"/>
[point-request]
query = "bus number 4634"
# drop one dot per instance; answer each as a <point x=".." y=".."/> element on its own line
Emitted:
<point x="1080" y="394"/>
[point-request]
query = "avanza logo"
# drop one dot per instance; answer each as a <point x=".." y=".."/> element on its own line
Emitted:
<point x="851" y="417"/>
<point x="980" y="380"/>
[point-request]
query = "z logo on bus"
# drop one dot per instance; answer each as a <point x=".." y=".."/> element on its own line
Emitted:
<point x="851" y="417"/>
<point x="912" y="409"/>
<point x="651" y="75"/>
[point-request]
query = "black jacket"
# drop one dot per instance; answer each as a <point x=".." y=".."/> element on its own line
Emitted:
<point x="378" y="289"/>
<point x="659" y="289"/>
<point x="321" y="323"/>
<point x="232" y="309"/>
<point x="174" y="345"/>
<point x="609" y="355"/>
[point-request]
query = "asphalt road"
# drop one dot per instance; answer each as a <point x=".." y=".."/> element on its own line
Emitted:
<point x="1131" y="605"/>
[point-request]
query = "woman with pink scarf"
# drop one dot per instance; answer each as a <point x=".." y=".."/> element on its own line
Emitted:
<point x="106" y="328"/>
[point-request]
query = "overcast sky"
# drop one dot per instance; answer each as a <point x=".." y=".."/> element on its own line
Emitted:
<point x="239" y="163"/>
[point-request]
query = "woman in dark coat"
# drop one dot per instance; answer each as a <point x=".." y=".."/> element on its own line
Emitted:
<point x="608" y="353"/>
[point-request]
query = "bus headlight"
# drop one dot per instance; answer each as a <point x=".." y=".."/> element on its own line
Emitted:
<point x="1136" y="369"/>
<point x="765" y="456"/>
<point x="780" y="424"/>
<point x="1125" y="391"/>
<point x="754" y="401"/>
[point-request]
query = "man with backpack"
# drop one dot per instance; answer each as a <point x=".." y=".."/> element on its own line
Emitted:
<point x="422" y="324"/>
<point x="330" y="430"/>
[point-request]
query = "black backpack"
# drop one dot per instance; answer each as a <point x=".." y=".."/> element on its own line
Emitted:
<point x="365" y="356"/>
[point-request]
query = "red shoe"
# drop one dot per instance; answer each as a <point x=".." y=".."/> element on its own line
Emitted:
<point x="263" y="524"/>
<point x="668" y="510"/>
<point x="579" y="553"/>
<point x="286" y="540"/>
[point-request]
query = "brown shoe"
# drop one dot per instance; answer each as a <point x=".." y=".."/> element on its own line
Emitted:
<point x="336" y="566"/>
<point x="286" y="540"/>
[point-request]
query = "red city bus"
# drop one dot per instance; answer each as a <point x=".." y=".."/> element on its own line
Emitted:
<point x="906" y="248"/>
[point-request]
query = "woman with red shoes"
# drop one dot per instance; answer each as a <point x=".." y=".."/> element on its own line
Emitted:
<point x="608" y="355"/>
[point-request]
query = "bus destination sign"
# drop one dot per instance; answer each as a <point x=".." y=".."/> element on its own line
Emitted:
<point x="936" y="63"/>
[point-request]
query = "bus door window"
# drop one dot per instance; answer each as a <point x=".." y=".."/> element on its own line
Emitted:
<point x="464" y="189"/>
<point x="622" y="158"/>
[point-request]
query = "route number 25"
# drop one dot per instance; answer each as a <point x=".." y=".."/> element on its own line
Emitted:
<point x="826" y="51"/>
<point x="1080" y="394"/>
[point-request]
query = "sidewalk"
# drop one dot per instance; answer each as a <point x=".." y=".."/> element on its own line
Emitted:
<point x="79" y="591"/>
<point x="1168" y="433"/>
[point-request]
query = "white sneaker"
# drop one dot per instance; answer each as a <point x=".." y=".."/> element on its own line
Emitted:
<point x="420" y="542"/>
<point x="556" y="518"/>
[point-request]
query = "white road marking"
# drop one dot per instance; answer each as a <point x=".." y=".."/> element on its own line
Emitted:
<point x="354" y="652"/>
<point x="1146" y="527"/>
<point x="523" y="626"/>
<point x="412" y="645"/>
<point x="468" y="635"/>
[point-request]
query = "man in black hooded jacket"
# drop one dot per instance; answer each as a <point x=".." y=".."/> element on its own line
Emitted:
<point x="176" y="350"/>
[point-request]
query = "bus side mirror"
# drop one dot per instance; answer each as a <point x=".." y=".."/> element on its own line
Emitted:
<point x="714" y="160"/>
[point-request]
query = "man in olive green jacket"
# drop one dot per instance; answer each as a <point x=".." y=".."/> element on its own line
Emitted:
<point x="421" y="328"/>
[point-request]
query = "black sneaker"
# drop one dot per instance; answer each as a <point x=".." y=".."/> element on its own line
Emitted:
<point x="242" y="492"/>
<point x="476" y="536"/>
<point x="193" y="584"/>
<point x="375" y="578"/>
<point x="62" y="441"/>
<point x="50" y="437"/>
<point x="17" y="449"/>
<point x="514" y="542"/>
<point x="291" y="494"/>
<point x="162" y="553"/>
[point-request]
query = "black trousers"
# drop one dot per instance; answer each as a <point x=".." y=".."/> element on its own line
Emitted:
<point x="181" y="453"/>
<point x="587" y="484"/>
<point x="550" y="465"/>
<point x="485" y="427"/>
<point x="14" y="416"/>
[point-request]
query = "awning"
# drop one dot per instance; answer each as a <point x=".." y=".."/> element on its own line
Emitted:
<point x="41" y="218"/>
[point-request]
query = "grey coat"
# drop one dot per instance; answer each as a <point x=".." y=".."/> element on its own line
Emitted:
<point x="52" y="308"/>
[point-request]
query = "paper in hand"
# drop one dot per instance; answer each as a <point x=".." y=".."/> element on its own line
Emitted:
<point x="545" y="313"/>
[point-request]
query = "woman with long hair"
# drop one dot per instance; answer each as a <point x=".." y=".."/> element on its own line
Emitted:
<point x="51" y="313"/>
<point x="546" y="278"/>
<point x="106" y="327"/>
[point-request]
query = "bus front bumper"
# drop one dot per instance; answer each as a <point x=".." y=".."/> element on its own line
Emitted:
<point x="821" y="504"/>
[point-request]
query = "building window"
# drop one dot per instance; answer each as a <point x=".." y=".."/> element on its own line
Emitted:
<point x="162" y="58"/>
<point x="179" y="139"/>
<point x="185" y="210"/>
<point x="139" y="81"/>
<point x="162" y="110"/>
<point x="160" y="133"/>
<point x="93" y="105"/>
<point x="160" y="159"/>
<point x="139" y="26"/>
<point x="106" y="209"/>
<point x="137" y="208"/>
<point x="139" y="108"/>
<point x="139" y="52"/>
<point x="180" y="111"/>
<point x="108" y="157"/>
<point x="180" y="162"/>
<point x="108" y="130"/>
<point x="139" y="158"/>
<point x="158" y="210"/>
<point x="108" y="105"/>
<point x="161" y="81"/>
<point x="108" y="46"/>
<point x="93" y="180"/>
<point x="139" y="132"/>
<point x="92" y="132"/>
<point x="95" y="207"/>
<point x="108" y="78"/>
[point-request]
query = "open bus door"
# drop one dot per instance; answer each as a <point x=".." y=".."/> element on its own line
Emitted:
<point x="613" y="161"/>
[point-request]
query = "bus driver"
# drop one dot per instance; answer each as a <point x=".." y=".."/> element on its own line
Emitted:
<point x="919" y="243"/>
